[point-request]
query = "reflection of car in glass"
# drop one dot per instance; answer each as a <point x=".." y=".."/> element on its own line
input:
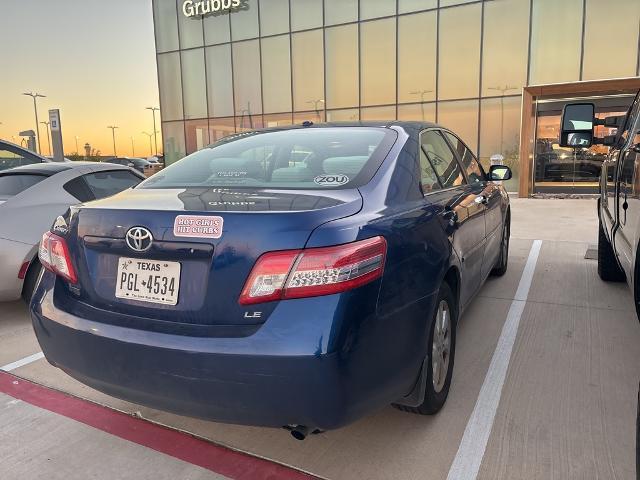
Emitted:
<point x="250" y="284"/>
<point x="557" y="164"/>
<point x="146" y="167"/>
<point x="12" y="155"/>
<point x="31" y="197"/>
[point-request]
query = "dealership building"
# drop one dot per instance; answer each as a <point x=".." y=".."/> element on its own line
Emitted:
<point x="495" y="71"/>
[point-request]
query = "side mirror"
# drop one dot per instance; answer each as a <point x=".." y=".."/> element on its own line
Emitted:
<point x="499" y="173"/>
<point x="577" y="124"/>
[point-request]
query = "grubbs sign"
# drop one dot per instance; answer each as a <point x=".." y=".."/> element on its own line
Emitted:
<point x="191" y="8"/>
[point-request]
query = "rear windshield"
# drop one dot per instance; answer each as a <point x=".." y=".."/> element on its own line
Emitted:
<point x="11" y="185"/>
<point x="310" y="158"/>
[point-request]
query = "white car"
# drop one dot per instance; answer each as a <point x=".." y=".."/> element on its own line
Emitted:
<point x="32" y="197"/>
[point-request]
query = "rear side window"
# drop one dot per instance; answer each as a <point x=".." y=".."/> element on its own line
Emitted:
<point x="105" y="184"/>
<point x="12" y="157"/>
<point x="442" y="159"/>
<point x="469" y="162"/>
<point x="11" y="185"/>
<point x="428" y="177"/>
<point x="309" y="158"/>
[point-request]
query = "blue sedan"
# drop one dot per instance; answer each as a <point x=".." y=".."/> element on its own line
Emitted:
<point x="300" y="277"/>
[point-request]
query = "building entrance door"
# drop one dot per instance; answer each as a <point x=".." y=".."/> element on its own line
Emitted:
<point x="568" y="170"/>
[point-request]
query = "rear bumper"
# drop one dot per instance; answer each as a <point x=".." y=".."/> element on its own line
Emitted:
<point x="283" y="374"/>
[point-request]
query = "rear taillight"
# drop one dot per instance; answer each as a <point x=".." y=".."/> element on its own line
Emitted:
<point x="54" y="256"/>
<point x="314" y="271"/>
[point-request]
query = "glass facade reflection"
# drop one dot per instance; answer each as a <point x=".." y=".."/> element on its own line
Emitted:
<point x="462" y="63"/>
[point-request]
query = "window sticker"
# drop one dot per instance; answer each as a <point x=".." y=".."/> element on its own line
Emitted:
<point x="327" y="180"/>
<point x="198" y="226"/>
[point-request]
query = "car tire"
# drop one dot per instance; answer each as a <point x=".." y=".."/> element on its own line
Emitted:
<point x="503" y="260"/>
<point x="436" y="392"/>
<point x="30" y="280"/>
<point x="608" y="268"/>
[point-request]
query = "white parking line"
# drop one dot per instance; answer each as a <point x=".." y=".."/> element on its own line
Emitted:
<point x="467" y="461"/>
<point x="22" y="362"/>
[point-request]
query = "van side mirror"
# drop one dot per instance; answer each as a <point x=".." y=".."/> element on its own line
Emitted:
<point x="578" y="120"/>
<point x="499" y="173"/>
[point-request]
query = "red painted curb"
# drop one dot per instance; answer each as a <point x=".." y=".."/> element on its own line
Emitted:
<point x="218" y="459"/>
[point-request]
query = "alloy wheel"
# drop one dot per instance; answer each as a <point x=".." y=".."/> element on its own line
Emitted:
<point x="441" y="348"/>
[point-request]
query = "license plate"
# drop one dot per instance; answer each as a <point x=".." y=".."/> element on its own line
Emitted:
<point x="148" y="280"/>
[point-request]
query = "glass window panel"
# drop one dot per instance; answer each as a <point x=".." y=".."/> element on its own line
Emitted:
<point x="308" y="69"/>
<point x="342" y="66"/>
<point x="419" y="112"/>
<point x="462" y="119"/>
<point x="216" y="29"/>
<point x="165" y="25"/>
<point x="246" y="122"/>
<point x="347" y="115"/>
<point x="467" y="159"/>
<point x="601" y="59"/>
<point x="442" y="159"/>
<point x="244" y="22"/>
<point x="306" y="14"/>
<point x="459" y="52"/>
<point x="378" y="113"/>
<point x="313" y="116"/>
<point x="428" y="178"/>
<point x="448" y="3"/>
<point x="277" y="120"/>
<point x="194" y="86"/>
<point x="276" y="74"/>
<point x="274" y="17"/>
<point x="405" y="6"/>
<point x="220" y="88"/>
<point x="556" y="36"/>
<point x="197" y="135"/>
<point x="377" y="8"/>
<point x="340" y="11"/>
<point x="504" y="63"/>
<point x="378" y="48"/>
<point x="500" y="134"/>
<point x="190" y="29"/>
<point x="246" y="79"/>
<point x="220" y="128"/>
<point x="417" y="66"/>
<point x="170" y="84"/>
<point x="173" y="142"/>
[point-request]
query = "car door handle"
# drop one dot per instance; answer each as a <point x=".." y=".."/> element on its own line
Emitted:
<point x="481" y="200"/>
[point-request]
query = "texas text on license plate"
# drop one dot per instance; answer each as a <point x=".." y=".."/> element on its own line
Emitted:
<point x="148" y="280"/>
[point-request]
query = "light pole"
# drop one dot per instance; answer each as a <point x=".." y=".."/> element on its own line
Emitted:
<point x="35" y="109"/>
<point x="113" y="134"/>
<point x="48" y="136"/>
<point x="315" y="103"/>
<point x="150" y="146"/>
<point x="77" y="151"/>
<point x="502" y="90"/>
<point x="133" y="147"/>
<point x="422" y="93"/>
<point x="155" y="137"/>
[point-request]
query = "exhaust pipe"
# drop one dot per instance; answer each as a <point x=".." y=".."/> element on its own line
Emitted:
<point x="300" y="432"/>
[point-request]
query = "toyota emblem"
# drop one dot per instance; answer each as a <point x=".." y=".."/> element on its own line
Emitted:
<point x="139" y="239"/>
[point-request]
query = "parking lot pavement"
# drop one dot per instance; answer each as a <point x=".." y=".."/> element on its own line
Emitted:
<point x="544" y="386"/>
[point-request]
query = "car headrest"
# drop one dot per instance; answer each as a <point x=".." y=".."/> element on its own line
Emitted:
<point x="344" y="165"/>
<point x="293" y="174"/>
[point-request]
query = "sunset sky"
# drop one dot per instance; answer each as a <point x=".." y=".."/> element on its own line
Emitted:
<point x="93" y="59"/>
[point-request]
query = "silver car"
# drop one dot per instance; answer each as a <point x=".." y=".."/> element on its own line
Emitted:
<point x="31" y="197"/>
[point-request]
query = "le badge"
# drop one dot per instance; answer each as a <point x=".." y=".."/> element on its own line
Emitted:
<point x="198" y="226"/>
